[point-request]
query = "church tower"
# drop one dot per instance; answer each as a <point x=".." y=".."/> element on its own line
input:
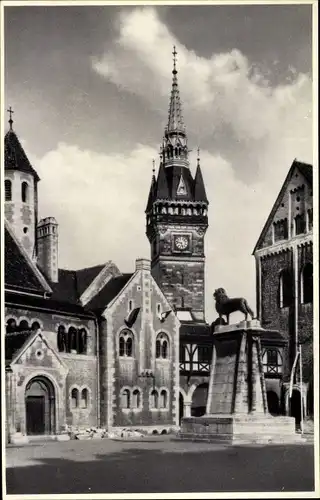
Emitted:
<point x="21" y="191"/>
<point x="176" y="216"/>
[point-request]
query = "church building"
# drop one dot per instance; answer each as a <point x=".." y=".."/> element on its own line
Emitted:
<point x="284" y="277"/>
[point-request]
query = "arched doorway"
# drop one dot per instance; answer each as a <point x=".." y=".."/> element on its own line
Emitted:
<point x="181" y="404"/>
<point x="40" y="407"/>
<point x="295" y="407"/>
<point x="273" y="403"/>
<point x="199" y="400"/>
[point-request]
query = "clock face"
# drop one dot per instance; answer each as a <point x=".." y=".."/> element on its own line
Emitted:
<point x="181" y="242"/>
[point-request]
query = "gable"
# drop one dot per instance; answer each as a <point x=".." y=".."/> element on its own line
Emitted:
<point x="35" y="351"/>
<point x="294" y="199"/>
<point x="106" y="274"/>
<point x="20" y="272"/>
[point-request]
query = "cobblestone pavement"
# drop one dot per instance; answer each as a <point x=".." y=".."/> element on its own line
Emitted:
<point x="157" y="466"/>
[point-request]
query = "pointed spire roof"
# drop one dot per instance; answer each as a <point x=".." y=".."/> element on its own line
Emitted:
<point x="162" y="191"/>
<point x="175" y="119"/>
<point x="15" y="157"/>
<point x="199" y="189"/>
<point x="153" y="187"/>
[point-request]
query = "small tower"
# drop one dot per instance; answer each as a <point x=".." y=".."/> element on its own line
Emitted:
<point x="47" y="242"/>
<point x="176" y="216"/>
<point x="21" y="191"/>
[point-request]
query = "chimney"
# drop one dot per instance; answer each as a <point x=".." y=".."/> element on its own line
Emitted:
<point x="47" y="241"/>
<point x="143" y="264"/>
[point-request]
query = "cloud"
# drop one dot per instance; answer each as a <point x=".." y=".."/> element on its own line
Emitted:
<point x="250" y="132"/>
<point x="229" y="104"/>
<point x="99" y="202"/>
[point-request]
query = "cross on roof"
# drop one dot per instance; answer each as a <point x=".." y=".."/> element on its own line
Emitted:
<point x="10" y="111"/>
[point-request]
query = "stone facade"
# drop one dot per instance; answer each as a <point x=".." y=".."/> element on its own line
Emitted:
<point x="284" y="265"/>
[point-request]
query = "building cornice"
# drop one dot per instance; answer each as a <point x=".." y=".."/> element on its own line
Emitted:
<point x="284" y="246"/>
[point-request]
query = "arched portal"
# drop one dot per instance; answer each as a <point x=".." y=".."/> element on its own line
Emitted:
<point x="181" y="405"/>
<point x="273" y="403"/>
<point x="199" y="400"/>
<point x="40" y="407"/>
<point x="295" y="407"/>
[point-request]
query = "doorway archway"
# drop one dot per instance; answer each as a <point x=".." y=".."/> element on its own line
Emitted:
<point x="295" y="407"/>
<point x="273" y="403"/>
<point x="40" y="407"/>
<point x="199" y="400"/>
<point x="181" y="407"/>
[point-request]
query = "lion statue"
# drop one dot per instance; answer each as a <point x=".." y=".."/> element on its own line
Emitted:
<point x="226" y="306"/>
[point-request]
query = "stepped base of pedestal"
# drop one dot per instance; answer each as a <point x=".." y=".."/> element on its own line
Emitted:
<point x="239" y="429"/>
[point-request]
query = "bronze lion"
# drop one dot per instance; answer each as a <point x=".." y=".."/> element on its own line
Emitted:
<point x="226" y="306"/>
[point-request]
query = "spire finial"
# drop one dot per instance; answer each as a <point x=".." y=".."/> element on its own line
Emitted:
<point x="198" y="157"/>
<point x="174" y="53"/>
<point x="10" y="111"/>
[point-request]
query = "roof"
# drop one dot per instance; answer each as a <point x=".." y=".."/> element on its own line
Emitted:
<point x="20" y="272"/>
<point x="306" y="171"/>
<point x="14" y="342"/>
<point x="108" y="292"/>
<point x="15" y="157"/>
<point x="195" y="329"/>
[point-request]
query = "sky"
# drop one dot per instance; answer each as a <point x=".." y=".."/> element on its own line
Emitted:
<point x="90" y="89"/>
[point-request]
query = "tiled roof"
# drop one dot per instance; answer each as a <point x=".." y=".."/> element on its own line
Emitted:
<point x="14" y="342"/>
<point x="18" y="273"/>
<point x="15" y="157"/>
<point x="86" y="276"/>
<point x="108" y="292"/>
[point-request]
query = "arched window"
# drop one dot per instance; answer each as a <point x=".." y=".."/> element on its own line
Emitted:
<point x="11" y="325"/>
<point x="307" y="284"/>
<point x="23" y="325"/>
<point x="154" y="399"/>
<point x="162" y="346"/>
<point x="299" y="224"/>
<point x="25" y="192"/>
<point x="82" y="341"/>
<point x="126" y="345"/>
<point x="8" y="190"/>
<point x="285" y="294"/>
<point x="130" y="306"/>
<point x="72" y="339"/>
<point x="62" y="339"/>
<point x="136" y="398"/>
<point x="163" y="399"/>
<point x="84" y="398"/>
<point x="74" y="398"/>
<point x="35" y="326"/>
<point x="125" y="398"/>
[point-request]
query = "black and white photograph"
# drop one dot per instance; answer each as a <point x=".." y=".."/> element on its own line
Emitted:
<point x="159" y="197"/>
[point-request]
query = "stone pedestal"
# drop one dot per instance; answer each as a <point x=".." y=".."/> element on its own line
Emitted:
<point x="237" y="405"/>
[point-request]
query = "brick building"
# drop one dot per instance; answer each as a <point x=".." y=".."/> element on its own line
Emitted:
<point x="284" y="273"/>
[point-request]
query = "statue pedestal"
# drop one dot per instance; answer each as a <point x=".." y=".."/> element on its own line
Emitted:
<point x="237" y="404"/>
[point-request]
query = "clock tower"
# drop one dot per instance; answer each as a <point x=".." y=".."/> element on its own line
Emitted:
<point x="176" y="216"/>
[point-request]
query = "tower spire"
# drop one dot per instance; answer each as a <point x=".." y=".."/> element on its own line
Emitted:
<point x="175" y="148"/>
<point x="175" y="119"/>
